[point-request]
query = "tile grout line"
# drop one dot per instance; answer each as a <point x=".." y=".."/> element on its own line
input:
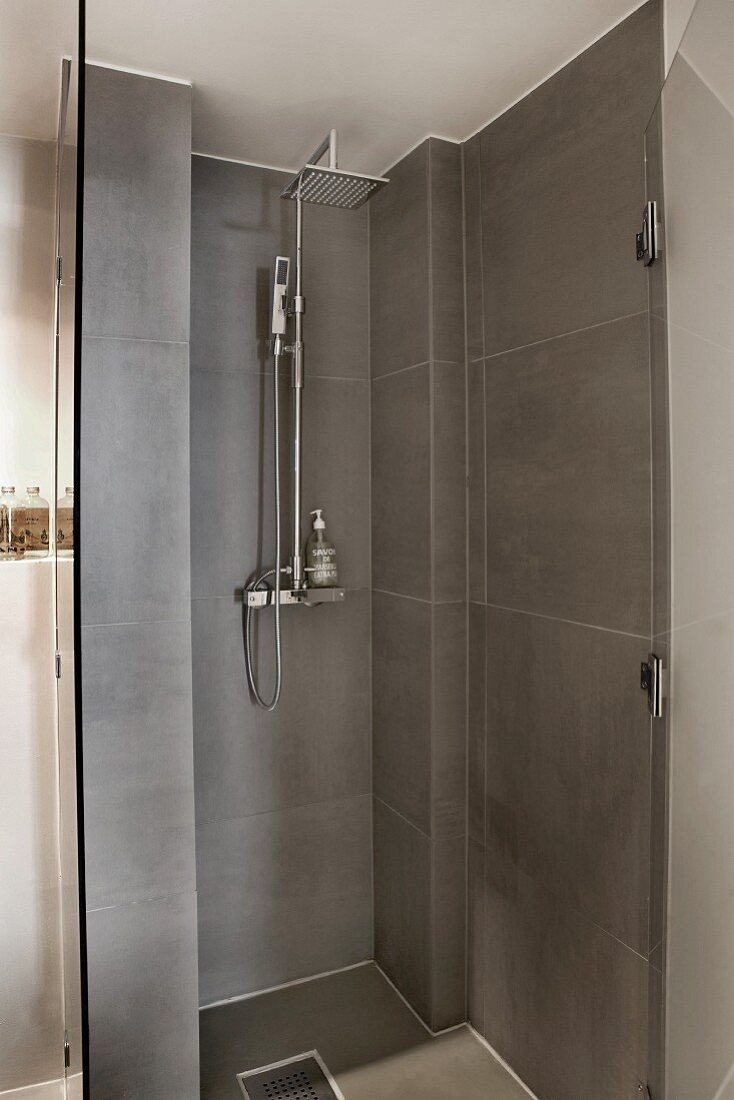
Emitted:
<point x="569" y="622"/>
<point x="560" y="336"/>
<point x="284" y="985"/>
<point x="206" y="822"/>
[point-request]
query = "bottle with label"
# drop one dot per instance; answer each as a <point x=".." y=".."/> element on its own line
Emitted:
<point x="321" y="571"/>
<point x="65" y="525"/>
<point x="13" y="522"/>
<point x="37" y="524"/>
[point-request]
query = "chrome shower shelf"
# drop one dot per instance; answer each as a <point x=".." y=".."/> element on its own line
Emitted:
<point x="308" y="596"/>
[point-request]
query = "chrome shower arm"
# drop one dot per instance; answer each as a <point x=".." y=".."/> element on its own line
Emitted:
<point x="327" y="145"/>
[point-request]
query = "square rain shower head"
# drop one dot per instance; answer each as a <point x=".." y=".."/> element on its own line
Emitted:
<point x="333" y="187"/>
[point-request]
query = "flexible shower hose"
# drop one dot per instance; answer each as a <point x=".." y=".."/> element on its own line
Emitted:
<point x="255" y="585"/>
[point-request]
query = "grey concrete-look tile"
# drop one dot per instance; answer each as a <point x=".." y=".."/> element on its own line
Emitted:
<point x="399" y="267"/>
<point x="402" y="705"/>
<point x="477" y="474"/>
<point x="475" y="923"/>
<point x="471" y="151"/>
<point x="660" y="450"/>
<point x="316" y="745"/>
<point x="568" y="477"/>
<point x="476" y="720"/>
<point x="447" y="251"/>
<point x="336" y="471"/>
<point x="138" y="762"/>
<point x="565" y="1004"/>
<point x="239" y="224"/>
<point x="232" y="475"/>
<point x="144" y="1034"/>
<point x="283" y="895"/>
<point x="448" y="720"/>
<point x="561" y="168"/>
<point x="568" y="765"/>
<point x="403" y="906"/>
<point x="449" y="521"/>
<point x="137" y="172"/>
<point x="401" y="483"/>
<point x="135" y="477"/>
<point x="335" y="284"/>
<point x="448" y="932"/>
<point x="368" y="1037"/>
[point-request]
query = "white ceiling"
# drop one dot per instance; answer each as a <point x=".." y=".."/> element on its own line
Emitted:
<point x="271" y="77"/>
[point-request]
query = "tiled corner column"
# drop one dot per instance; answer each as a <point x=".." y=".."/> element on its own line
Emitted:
<point x="135" y="590"/>
<point x="418" y="579"/>
<point x="560" y="942"/>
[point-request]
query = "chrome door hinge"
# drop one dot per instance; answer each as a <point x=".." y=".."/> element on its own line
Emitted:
<point x="57" y="665"/>
<point x="644" y="1090"/>
<point x="59" y="269"/>
<point x="67" y="1051"/>
<point x="651" y="681"/>
<point x="647" y="241"/>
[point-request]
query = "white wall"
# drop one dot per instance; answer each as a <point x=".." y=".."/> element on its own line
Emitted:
<point x="698" y="138"/>
<point x="31" y="1028"/>
<point x="677" y="14"/>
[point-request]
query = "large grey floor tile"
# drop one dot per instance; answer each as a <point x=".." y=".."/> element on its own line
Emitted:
<point x="448" y="529"/>
<point x="447" y="253"/>
<point x="568" y="477"/>
<point x="403" y="906"/>
<point x="232" y="475"/>
<point x="399" y="258"/>
<point x="135" y="481"/>
<point x="401" y="483"/>
<point x="316" y="744"/>
<point x="369" y="1040"/>
<point x="568" y="765"/>
<point x="448" y="720"/>
<point x="137" y="173"/>
<point x="143" y="1038"/>
<point x="239" y="224"/>
<point x="335" y="284"/>
<point x="283" y="895"/>
<point x="401" y="705"/>
<point x="565" y="1004"/>
<point x="138" y="762"/>
<point x="562" y="168"/>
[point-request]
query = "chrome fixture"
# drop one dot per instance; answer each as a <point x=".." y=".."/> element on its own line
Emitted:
<point x="328" y="186"/>
<point x="647" y="241"/>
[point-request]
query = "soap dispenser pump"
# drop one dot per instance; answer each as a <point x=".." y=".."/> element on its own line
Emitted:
<point x="321" y="568"/>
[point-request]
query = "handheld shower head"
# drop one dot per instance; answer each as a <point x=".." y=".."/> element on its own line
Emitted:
<point x="280" y="295"/>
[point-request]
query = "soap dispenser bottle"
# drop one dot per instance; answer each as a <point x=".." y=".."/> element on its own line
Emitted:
<point x="321" y="569"/>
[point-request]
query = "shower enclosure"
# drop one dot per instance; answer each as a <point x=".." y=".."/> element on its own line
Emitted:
<point x="453" y="852"/>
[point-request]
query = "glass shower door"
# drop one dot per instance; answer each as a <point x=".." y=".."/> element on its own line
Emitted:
<point x="690" y="160"/>
<point x="66" y="225"/>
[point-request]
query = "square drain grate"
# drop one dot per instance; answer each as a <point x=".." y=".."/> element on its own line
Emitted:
<point x="302" y="1078"/>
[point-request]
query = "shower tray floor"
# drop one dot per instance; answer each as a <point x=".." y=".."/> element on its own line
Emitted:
<point x="364" y="1033"/>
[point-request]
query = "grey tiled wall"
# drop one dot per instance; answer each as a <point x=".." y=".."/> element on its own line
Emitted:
<point x="135" y="590"/>
<point x="283" y="800"/>
<point x="419" y="579"/>
<point x="560" y="936"/>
